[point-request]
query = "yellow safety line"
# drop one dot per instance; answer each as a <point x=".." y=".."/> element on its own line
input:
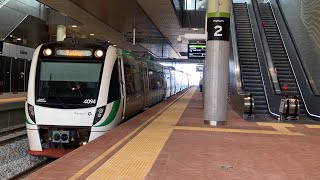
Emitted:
<point x="313" y="126"/>
<point x="99" y="158"/>
<point x="281" y="127"/>
<point x="135" y="159"/>
<point x="7" y="100"/>
<point x="238" y="130"/>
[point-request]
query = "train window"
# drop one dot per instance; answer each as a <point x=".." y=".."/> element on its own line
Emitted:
<point x="114" y="88"/>
<point x="129" y="76"/>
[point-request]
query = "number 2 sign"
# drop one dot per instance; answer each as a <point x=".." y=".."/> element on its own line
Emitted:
<point x="218" y="28"/>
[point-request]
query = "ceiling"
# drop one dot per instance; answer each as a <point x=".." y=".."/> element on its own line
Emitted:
<point x="156" y="24"/>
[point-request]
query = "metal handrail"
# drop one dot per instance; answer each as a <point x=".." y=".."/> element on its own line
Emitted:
<point x="271" y="68"/>
<point x="255" y="42"/>
<point x="236" y="54"/>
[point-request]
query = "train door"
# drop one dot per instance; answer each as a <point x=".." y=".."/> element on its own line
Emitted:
<point x="122" y="85"/>
<point x="145" y="80"/>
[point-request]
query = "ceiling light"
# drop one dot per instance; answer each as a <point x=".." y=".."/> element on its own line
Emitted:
<point x="74" y="26"/>
<point x="108" y="41"/>
<point x="91" y="34"/>
<point x="10" y="35"/>
<point x="114" y="45"/>
<point x="195" y="29"/>
<point x="18" y="39"/>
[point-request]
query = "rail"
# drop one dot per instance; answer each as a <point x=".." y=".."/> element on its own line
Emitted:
<point x="271" y="68"/>
<point x="236" y="54"/>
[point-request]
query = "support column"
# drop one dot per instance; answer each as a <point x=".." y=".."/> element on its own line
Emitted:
<point x="216" y="68"/>
<point x="61" y="32"/>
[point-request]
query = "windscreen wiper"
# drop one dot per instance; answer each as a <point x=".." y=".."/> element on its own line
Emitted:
<point x="55" y="93"/>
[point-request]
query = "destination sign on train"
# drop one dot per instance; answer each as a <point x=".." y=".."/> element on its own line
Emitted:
<point x="74" y="53"/>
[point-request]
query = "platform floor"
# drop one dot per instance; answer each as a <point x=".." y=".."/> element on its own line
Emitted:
<point x="12" y="98"/>
<point x="170" y="141"/>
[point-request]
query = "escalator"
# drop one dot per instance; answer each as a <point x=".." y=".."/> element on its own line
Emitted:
<point x="279" y="55"/>
<point x="249" y="65"/>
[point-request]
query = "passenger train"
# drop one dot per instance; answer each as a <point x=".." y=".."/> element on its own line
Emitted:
<point x="79" y="91"/>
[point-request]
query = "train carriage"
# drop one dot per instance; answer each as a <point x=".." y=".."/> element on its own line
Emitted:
<point x="79" y="91"/>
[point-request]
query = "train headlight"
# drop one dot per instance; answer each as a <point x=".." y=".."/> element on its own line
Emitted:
<point x="99" y="114"/>
<point x="47" y="52"/>
<point x="98" y="53"/>
<point x="31" y="112"/>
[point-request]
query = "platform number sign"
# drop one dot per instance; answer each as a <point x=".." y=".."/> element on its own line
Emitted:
<point x="218" y="28"/>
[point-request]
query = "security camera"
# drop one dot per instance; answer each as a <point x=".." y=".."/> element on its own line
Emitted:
<point x="179" y="39"/>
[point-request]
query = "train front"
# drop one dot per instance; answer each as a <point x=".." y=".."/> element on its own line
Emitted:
<point x="63" y="104"/>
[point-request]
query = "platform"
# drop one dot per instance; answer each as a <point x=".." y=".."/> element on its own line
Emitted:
<point x="170" y="141"/>
<point x="10" y="101"/>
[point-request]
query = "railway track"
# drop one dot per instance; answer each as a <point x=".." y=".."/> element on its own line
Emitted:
<point x="32" y="169"/>
<point x="12" y="133"/>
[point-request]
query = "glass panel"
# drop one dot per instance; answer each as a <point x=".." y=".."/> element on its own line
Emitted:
<point x="69" y="83"/>
<point x="114" y="89"/>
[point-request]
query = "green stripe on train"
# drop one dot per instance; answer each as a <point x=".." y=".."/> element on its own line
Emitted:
<point x="112" y="114"/>
<point x="28" y="122"/>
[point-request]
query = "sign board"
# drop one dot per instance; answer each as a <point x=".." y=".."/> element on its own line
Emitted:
<point x="16" y="51"/>
<point x="218" y="28"/>
<point x="196" y="51"/>
<point x="199" y="68"/>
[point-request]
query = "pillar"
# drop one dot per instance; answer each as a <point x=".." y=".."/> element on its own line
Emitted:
<point x="61" y="32"/>
<point x="216" y="68"/>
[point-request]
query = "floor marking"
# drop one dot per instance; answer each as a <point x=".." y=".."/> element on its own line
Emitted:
<point x="135" y="159"/>
<point x="8" y="100"/>
<point x="103" y="155"/>
<point x="249" y="131"/>
<point x="280" y="127"/>
<point x="313" y="126"/>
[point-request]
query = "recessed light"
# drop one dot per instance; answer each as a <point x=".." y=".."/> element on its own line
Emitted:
<point x="18" y="39"/>
<point x="74" y="26"/>
<point x="10" y="35"/>
<point x="114" y="45"/>
<point x="195" y="29"/>
<point x="91" y="34"/>
<point x="108" y="41"/>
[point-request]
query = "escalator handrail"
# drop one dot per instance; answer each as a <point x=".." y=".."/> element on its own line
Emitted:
<point x="255" y="43"/>
<point x="239" y="80"/>
<point x="294" y="74"/>
<point x="271" y="67"/>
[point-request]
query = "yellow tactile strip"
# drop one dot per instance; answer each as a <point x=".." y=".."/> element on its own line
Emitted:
<point x="313" y="126"/>
<point x="106" y="153"/>
<point x="136" y="158"/>
<point x="10" y="100"/>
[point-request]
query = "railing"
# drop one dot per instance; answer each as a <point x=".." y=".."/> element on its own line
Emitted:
<point x="271" y="68"/>
<point x="236" y="54"/>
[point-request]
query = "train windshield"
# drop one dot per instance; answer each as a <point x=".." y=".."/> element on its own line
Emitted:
<point x="68" y="84"/>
